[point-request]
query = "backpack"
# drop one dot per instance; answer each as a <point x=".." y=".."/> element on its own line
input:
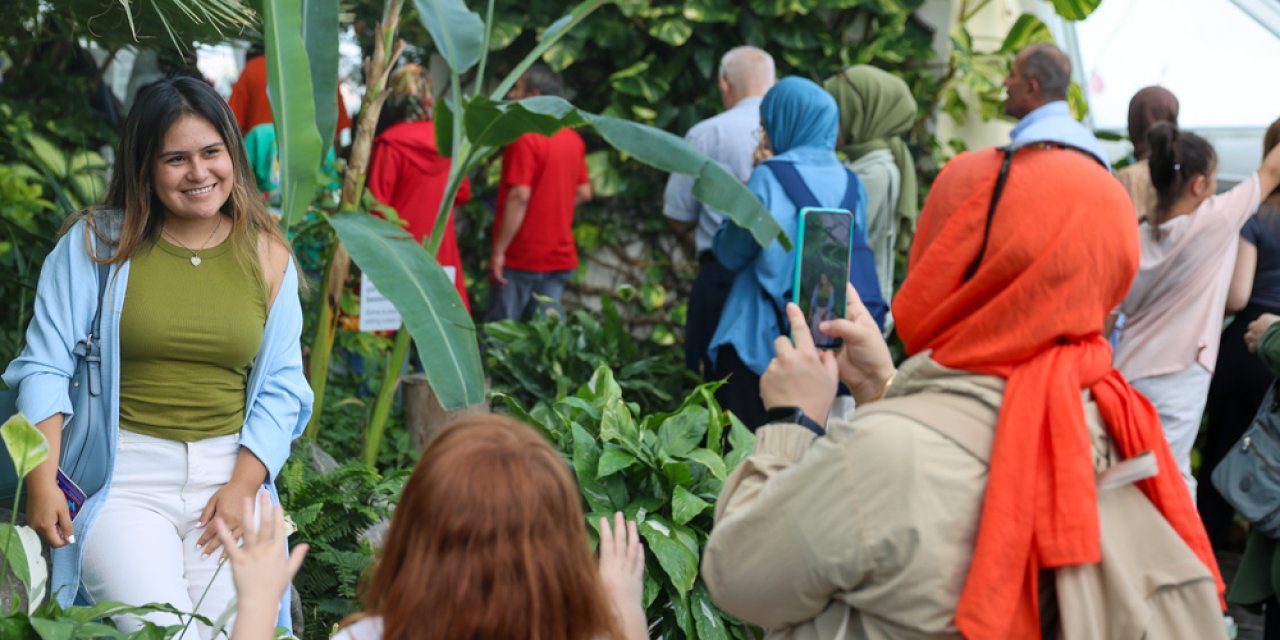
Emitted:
<point x="862" y="265"/>
<point x="1149" y="584"/>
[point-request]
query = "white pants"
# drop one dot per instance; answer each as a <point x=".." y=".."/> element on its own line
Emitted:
<point x="1179" y="398"/>
<point x="142" y="548"/>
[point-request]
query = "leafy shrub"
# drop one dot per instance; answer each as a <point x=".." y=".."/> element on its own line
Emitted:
<point x="657" y="471"/>
<point x="547" y="358"/>
<point x="331" y="511"/>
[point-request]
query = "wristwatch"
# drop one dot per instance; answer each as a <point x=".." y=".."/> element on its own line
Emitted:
<point x="793" y="415"/>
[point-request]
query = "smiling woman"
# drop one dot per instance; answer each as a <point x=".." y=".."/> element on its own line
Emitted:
<point x="204" y="388"/>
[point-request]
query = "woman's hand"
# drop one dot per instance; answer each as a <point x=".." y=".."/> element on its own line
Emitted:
<point x="225" y="505"/>
<point x="864" y="360"/>
<point x="800" y="375"/>
<point x="622" y="572"/>
<point x="260" y="571"/>
<point x="47" y="510"/>
<point x="1258" y="327"/>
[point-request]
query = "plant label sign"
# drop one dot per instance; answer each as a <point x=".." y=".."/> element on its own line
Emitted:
<point x="376" y="311"/>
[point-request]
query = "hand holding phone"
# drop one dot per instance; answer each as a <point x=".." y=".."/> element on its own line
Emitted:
<point x="74" y="495"/>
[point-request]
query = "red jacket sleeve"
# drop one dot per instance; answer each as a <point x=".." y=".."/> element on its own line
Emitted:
<point x="384" y="170"/>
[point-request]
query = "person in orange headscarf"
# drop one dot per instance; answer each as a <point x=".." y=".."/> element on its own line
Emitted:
<point x="1005" y="448"/>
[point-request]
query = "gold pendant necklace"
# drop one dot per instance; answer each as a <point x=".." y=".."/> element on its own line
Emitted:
<point x="195" y="255"/>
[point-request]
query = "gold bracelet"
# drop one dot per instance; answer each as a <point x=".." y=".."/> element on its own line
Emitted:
<point x="885" y="389"/>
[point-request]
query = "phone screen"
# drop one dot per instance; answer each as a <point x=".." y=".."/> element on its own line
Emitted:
<point x="823" y="268"/>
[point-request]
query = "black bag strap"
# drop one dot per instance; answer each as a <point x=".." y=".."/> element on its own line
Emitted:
<point x="991" y="211"/>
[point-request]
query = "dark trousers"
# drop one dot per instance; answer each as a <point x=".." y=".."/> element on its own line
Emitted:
<point x="1271" y="619"/>
<point x="526" y="293"/>
<point x="706" y="303"/>
<point x="1240" y="381"/>
<point x="741" y="394"/>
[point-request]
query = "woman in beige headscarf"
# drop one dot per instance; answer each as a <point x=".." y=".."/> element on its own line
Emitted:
<point x="1147" y="107"/>
<point x="876" y="110"/>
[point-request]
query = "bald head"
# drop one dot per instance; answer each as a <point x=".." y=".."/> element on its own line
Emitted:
<point x="745" y="72"/>
<point x="1041" y="74"/>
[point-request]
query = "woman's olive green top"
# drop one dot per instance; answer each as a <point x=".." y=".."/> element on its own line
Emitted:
<point x="188" y="336"/>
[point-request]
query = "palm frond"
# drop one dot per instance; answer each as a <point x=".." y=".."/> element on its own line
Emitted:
<point x="116" y="23"/>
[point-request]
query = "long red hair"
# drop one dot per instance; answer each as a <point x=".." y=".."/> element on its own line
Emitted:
<point x="489" y="541"/>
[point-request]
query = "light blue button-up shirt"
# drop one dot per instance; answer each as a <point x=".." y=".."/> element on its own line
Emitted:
<point x="1053" y="122"/>
<point x="727" y="138"/>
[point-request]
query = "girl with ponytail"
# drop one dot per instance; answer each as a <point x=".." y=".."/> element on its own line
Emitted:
<point x="1176" y="306"/>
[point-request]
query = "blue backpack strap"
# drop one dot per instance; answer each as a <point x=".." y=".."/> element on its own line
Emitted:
<point x="800" y="195"/>
<point x="862" y="263"/>
<point x="793" y="184"/>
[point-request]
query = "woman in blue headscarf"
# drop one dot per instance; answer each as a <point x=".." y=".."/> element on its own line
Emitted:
<point x="800" y="121"/>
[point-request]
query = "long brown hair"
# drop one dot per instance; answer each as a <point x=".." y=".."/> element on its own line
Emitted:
<point x="1177" y="158"/>
<point x="489" y="542"/>
<point x="156" y="108"/>
<point x="1271" y="204"/>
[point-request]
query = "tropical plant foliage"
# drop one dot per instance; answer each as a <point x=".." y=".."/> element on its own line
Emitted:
<point x="334" y="512"/>
<point x="174" y="24"/>
<point x="548" y="357"/>
<point x="664" y="471"/>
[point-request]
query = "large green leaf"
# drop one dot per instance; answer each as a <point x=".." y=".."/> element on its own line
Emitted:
<point x="27" y="446"/>
<point x="713" y="184"/>
<point x="427" y="300"/>
<point x="457" y="32"/>
<point x="613" y="461"/>
<point x="292" y="106"/>
<point x="496" y="124"/>
<point x="706" y="617"/>
<point x="676" y="560"/>
<point x="681" y="433"/>
<point x="14" y="556"/>
<point x="1075" y="9"/>
<point x="711" y="461"/>
<point x="674" y="31"/>
<point x="685" y="506"/>
<point x="617" y="426"/>
<point x="320" y="33"/>
<point x="1027" y="30"/>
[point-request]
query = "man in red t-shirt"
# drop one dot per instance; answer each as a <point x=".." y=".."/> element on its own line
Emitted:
<point x="543" y="179"/>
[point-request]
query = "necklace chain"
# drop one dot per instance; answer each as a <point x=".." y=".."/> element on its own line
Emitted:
<point x="195" y="253"/>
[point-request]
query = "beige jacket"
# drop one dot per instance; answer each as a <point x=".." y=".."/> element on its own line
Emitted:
<point x="867" y="532"/>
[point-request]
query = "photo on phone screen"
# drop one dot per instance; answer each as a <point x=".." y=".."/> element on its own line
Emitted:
<point x="822" y="268"/>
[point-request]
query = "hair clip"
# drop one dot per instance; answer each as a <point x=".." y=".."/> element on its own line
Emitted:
<point x="1177" y="166"/>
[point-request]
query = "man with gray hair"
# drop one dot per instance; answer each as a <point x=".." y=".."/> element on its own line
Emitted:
<point x="746" y="74"/>
<point x="1036" y="91"/>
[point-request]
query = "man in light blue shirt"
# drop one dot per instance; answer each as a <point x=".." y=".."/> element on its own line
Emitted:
<point x="746" y="74"/>
<point x="1037" y="94"/>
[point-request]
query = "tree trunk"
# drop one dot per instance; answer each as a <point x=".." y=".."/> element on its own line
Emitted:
<point x="423" y="414"/>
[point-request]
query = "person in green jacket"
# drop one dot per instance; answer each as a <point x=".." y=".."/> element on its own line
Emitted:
<point x="1256" y="583"/>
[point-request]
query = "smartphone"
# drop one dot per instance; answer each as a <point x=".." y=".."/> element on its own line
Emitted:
<point x="74" y="495"/>
<point x="824" y="252"/>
